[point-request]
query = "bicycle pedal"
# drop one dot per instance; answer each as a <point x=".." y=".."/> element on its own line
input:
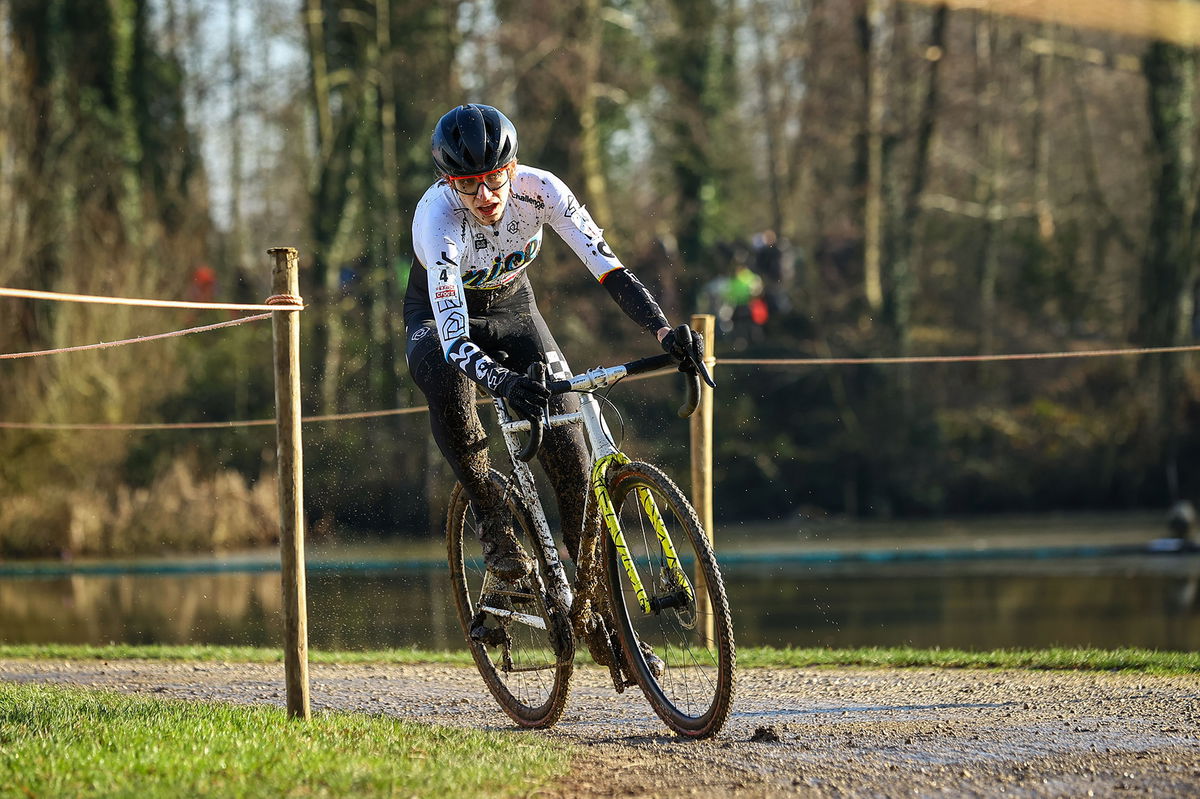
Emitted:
<point x="489" y="636"/>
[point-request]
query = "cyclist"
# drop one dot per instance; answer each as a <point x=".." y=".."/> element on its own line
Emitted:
<point x="476" y="231"/>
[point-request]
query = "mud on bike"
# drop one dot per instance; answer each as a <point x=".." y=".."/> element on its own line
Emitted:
<point x="647" y="598"/>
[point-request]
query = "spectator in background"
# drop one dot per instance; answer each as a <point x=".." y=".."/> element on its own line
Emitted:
<point x="774" y="264"/>
<point x="749" y="310"/>
<point x="735" y="296"/>
<point x="203" y="286"/>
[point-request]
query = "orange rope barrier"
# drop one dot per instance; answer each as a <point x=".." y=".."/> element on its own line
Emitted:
<point x="337" y="417"/>
<point x="285" y="299"/>
<point x="5" y="356"/>
<point x="293" y="303"/>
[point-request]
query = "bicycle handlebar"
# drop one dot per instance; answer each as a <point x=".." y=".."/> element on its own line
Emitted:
<point x="601" y="377"/>
<point x="604" y="376"/>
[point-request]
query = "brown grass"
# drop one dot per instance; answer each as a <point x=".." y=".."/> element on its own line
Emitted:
<point x="181" y="511"/>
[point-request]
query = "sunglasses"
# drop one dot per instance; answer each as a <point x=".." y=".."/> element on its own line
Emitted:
<point x="470" y="184"/>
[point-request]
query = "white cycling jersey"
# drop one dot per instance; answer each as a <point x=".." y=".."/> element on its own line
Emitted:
<point x="461" y="254"/>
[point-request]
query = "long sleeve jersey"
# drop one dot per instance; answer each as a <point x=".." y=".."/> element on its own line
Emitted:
<point x="460" y="254"/>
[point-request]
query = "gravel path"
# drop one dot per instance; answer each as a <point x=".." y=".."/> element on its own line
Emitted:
<point x="802" y="732"/>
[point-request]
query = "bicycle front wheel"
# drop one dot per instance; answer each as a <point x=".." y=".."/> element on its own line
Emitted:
<point x="681" y="649"/>
<point x="519" y="635"/>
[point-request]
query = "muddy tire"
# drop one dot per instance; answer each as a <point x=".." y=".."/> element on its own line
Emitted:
<point x="521" y="639"/>
<point x="690" y="632"/>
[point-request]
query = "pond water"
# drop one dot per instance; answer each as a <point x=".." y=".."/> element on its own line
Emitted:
<point x="1102" y="603"/>
<point x="977" y="588"/>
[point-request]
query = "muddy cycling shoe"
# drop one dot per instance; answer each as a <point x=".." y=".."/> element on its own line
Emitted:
<point x="506" y="559"/>
<point x="653" y="662"/>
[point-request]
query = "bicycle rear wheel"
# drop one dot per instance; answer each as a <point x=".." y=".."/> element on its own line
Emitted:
<point x="689" y="628"/>
<point x="519" y="635"/>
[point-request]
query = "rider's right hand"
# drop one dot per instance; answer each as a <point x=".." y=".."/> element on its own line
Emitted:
<point x="528" y="398"/>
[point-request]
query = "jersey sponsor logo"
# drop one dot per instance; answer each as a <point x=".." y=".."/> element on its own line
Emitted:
<point x="503" y="269"/>
<point x="481" y="242"/>
<point x="454" y="326"/>
<point x="420" y="333"/>
<point x="443" y="292"/>
<point x="513" y="227"/>
<point x="536" y="202"/>
<point x="463" y="350"/>
<point x="448" y="304"/>
<point x="467" y="356"/>
<point x="604" y="249"/>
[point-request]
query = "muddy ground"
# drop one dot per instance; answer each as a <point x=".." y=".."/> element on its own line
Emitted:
<point x="799" y="732"/>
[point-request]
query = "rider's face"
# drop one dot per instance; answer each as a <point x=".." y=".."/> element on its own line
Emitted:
<point x="488" y="204"/>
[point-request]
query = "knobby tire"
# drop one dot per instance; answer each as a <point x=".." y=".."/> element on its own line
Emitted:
<point x="694" y="694"/>
<point x="466" y="569"/>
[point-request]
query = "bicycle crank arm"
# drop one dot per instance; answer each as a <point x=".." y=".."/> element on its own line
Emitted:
<point x="522" y="618"/>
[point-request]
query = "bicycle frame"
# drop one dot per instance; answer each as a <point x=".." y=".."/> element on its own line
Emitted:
<point x="604" y="454"/>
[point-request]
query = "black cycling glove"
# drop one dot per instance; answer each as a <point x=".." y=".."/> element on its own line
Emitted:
<point x="686" y="346"/>
<point x="528" y="398"/>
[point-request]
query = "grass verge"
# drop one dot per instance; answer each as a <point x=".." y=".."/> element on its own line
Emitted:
<point x="61" y="741"/>
<point x="1145" y="661"/>
<point x="1134" y="660"/>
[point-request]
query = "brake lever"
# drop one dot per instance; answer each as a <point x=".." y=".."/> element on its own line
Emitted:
<point x="538" y="426"/>
<point x="702" y="370"/>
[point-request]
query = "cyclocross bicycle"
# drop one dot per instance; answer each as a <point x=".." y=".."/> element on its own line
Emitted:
<point x="647" y="597"/>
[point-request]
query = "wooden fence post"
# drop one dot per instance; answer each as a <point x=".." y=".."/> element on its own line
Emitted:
<point x="286" y="325"/>
<point x="702" y="486"/>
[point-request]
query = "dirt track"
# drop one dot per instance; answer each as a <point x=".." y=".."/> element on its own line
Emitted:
<point x="841" y="732"/>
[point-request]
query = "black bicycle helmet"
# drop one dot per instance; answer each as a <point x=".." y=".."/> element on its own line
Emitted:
<point x="473" y="139"/>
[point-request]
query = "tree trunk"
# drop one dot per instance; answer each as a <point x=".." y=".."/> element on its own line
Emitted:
<point x="899" y="298"/>
<point x="767" y="73"/>
<point x="687" y="57"/>
<point x="1042" y="71"/>
<point x="591" y="146"/>
<point x="387" y="299"/>
<point x="1168" y="276"/>
<point x="1168" y="270"/>
<point x="990" y="142"/>
<point x="129" y="202"/>
<point x="236" y="248"/>
<point x="314" y="15"/>
<point x="879" y="47"/>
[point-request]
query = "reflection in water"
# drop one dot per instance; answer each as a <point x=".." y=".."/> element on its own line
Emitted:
<point x="965" y="611"/>
<point x="1109" y="603"/>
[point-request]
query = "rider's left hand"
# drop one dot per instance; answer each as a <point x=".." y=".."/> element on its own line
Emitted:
<point x="687" y="346"/>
